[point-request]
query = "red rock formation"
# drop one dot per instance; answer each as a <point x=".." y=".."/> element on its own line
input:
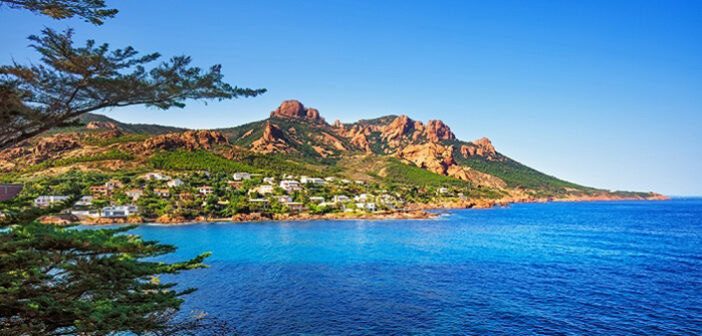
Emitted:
<point x="402" y="126"/>
<point x="272" y="140"/>
<point x="482" y="147"/>
<point x="436" y="130"/>
<point x="359" y="139"/>
<point x="102" y="125"/>
<point x="190" y="140"/>
<point x="294" y="109"/>
<point x="431" y="156"/>
<point x="439" y="159"/>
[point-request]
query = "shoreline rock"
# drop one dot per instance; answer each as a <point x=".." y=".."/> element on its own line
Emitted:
<point x="413" y="211"/>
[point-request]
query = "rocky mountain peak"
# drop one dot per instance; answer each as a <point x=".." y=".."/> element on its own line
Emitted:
<point x="190" y="140"/>
<point x="436" y="130"/>
<point x="481" y="147"/>
<point x="401" y="126"/>
<point x="104" y="125"/>
<point x="293" y="109"/>
<point x="272" y="140"/>
<point x="485" y="145"/>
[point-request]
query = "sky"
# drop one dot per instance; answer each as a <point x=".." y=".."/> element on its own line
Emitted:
<point x="602" y="93"/>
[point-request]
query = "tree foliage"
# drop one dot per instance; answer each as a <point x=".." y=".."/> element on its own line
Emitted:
<point x="72" y="80"/>
<point x="62" y="280"/>
<point x="93" y="11"/>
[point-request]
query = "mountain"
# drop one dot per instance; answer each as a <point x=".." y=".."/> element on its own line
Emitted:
<point x="390" y="150"/>
<point x="96" y="121"/>
<point x="298" y="131"/>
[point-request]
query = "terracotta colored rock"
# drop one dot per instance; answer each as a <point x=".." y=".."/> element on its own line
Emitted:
<point x="295" y="110"/>
<point x="402" y="126"/>
<point x="102" y="125"/>
<point x="481" y="147"/>
<point x="436" y="130"/>
<point x="189" y="140"/>
<point x="273" y="140"/>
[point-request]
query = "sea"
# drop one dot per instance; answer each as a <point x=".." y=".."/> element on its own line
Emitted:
<point x="570" y="268"/>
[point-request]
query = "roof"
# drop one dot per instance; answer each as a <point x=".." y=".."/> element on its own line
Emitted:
<point x="9" y="191"/>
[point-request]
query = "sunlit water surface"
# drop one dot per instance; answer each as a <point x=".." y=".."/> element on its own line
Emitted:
<point x="600" y="268"/>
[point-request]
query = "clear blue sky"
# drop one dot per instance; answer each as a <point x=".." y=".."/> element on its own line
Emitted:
<point x="602" y="93"/>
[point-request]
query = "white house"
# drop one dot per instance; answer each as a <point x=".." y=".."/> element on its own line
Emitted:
<point x="85" y="213"/>
<point x="175" y="183"/>
<point x="283" y="198"/>
<point x="294" y="206"/>
<point x="263" y="189"/>
<point x="359" y="182"/>
<point x="44" y="201"/>
<point x="366" y="206"/>
<point x="85" y="201"/>
<point x="341" y="199"/>
<point x="155" y="176"/>
<point x="290" y="185"/>
<point x="120" y="211"/>
<point x="363" y="197"/>
<point x="134" y="193"/>
<point x="329" y="179"/>
<point x="443" y="190"/>
<point x="205" y="190"/>
<point x="162" y="192"/>
<point x="387" y="199"/>
<point x="113" y="184"/>
<point x="269" y="180"/>
<point x="314" y="180"/>
<point x="317" y="199"/>
<point x="345" y="181"/>
<point x="241" y="176"/>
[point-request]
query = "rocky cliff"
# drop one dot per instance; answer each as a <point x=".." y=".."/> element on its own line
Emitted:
<point x="295" y="110"/>
<point x="189" y="140"/>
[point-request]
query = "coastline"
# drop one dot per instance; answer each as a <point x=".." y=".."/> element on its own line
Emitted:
<point x="516" y="199"/>
<point x="412" y="211"/>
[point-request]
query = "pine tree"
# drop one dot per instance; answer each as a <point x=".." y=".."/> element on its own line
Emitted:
<point x="65" y="280"/>
<point x="93" y="11"/>
<point x="71" y="81"/>
<point x="72" y="281"/>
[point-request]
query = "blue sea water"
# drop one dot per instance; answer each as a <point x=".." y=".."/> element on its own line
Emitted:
<point x="601" y="268"/>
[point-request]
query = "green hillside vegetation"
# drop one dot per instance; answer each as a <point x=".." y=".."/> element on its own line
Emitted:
<point x="199" y="160"/>
<point x="516" y="174"/>
<point x="111" y="155"/>
<point x="131" y="128"/>
<point x="397" y="172"/>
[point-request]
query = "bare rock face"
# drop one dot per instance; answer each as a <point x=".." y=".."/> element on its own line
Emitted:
<point x="44" y="148"/>
<point x="431" y="156"/>
<point x="105" y="125"/>
<point x="436" y="130"/>
<point x="476" y="177"/>
<point x="405" y="128"/>
<point x="295" y="110"/>
<point x="190" y="140"/>
<point x="483" y="147"/>
<point x="401" y="127"/>
<point x="54" y="144"/>
<point x="272" y="141"/>
<point x="358" y="138"/>
<point x="439" y="159"/>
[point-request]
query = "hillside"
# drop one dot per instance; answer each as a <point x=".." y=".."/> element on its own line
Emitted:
<point x="390" y="151"/>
